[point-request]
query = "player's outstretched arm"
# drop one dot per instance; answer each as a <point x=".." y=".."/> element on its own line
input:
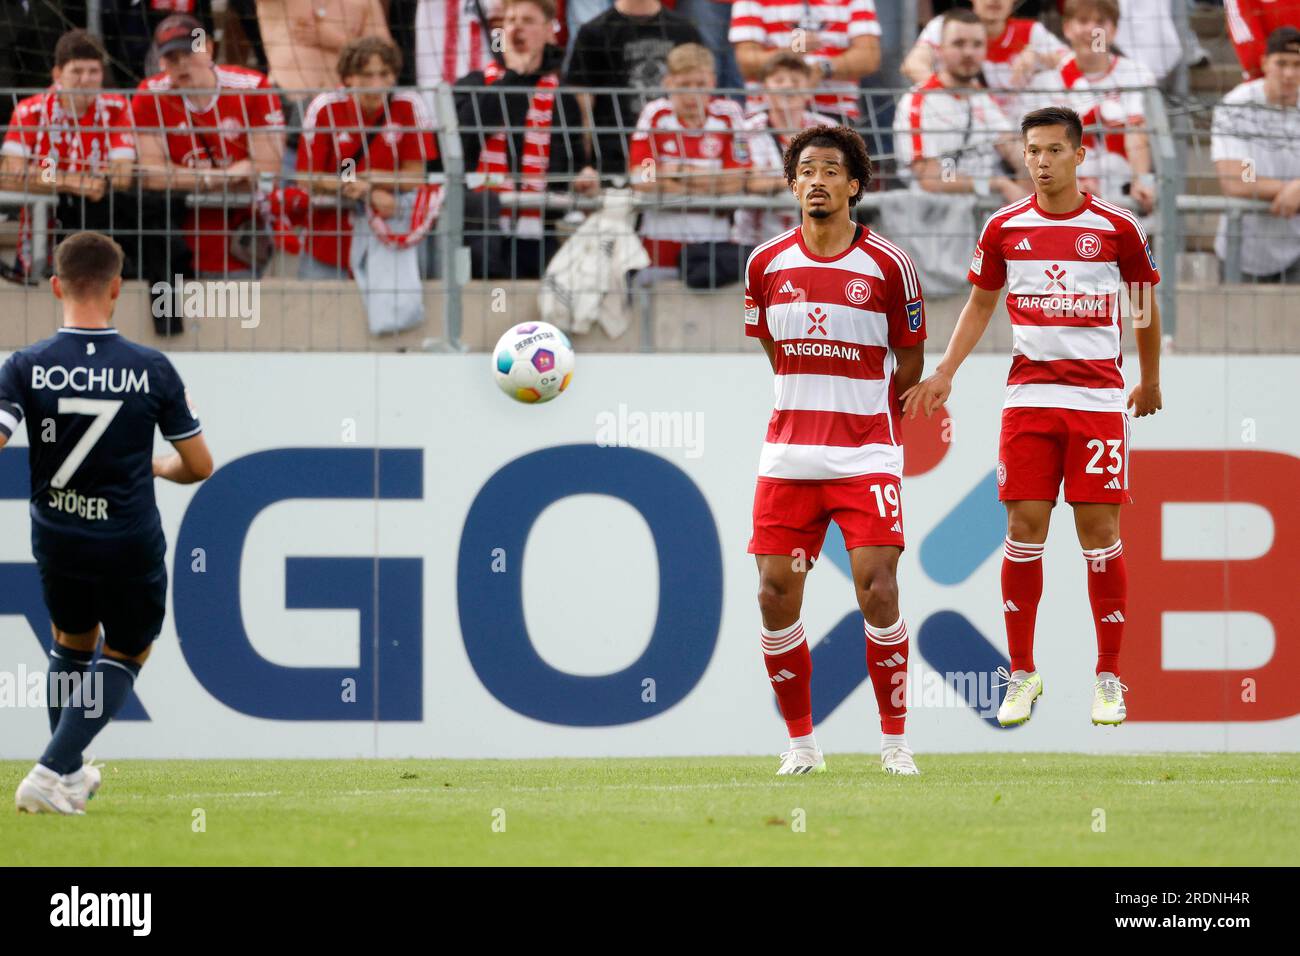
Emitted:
<point x="929" y="394"/>
<point x="1145" y="399"/>
<point x="191" y="462"/>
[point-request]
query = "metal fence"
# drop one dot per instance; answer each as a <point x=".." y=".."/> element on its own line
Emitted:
<point x="508" y="195"/>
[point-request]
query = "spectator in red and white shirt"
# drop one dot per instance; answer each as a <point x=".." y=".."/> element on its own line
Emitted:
<point x="687" y="144"/>
<point x="788" y="80"/>
<point x="362" y="144"/>
<point x="217" y="140"/>
<point x="949" y="136"/>
<point x="841" y="38"/>
<point x="1017" y="48"/>
<point x="1249" y="24"/>
<point x="73" y="141"/>
<point x="1105" y="89"/>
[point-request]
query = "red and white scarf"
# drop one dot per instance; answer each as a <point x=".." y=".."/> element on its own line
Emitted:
<point x="494" y="160"/>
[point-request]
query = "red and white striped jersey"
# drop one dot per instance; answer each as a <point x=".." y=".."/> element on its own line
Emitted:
<point x="660" y="139"/>
<point x="41" y="127"/>
<point x="834" y="323"/>
<point x="833" y="25"/>
<point x="1107" y="104"/>
<point x="1065" y="274"/>
<point x="450" y="41"/>
<point x="1018" y="35"/>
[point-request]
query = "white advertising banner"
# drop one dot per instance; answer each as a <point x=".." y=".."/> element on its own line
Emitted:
<point x="394" y="559"/>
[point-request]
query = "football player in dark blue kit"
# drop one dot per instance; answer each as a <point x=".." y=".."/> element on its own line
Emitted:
<point x="91" y="401"/>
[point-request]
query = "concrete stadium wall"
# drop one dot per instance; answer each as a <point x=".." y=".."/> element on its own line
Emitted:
<point x="328" y="316"/>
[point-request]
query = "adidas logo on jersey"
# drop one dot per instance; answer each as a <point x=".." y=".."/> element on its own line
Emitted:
<point x="1023" y="245"/>
<point x="1114" y="617"/>
<point x="782" y="675"/>
<point x="897" y="528"/>
<point x="1114" y="485"/>
<point x="787" y="288"/>
<point x="896" y="660"/>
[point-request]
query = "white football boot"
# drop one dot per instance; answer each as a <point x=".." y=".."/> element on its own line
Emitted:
<point x="1022" y="691"/>
<point x="801" y="760"/>
<point x="41" y="792"/>
<point x="898" y="759"/>
<point x="1108" y="701"/>
<point x="80" y="786"/>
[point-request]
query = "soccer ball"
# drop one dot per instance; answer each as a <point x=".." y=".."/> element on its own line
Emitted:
<point x="533" y="362"/>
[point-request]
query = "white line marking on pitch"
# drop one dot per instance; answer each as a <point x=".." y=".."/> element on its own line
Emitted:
<point x="653" y="788"/>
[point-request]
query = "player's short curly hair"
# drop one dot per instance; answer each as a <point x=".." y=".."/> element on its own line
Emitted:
<point x="847" y="141"/>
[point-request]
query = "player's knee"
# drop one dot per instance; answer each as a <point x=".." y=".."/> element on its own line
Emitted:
<point x="1100" y="532"/>
<point x="879" y="592"/>
<point x="775" y="598"/>
<point x="1026" y="529"/>
<point x="78" y="642"/>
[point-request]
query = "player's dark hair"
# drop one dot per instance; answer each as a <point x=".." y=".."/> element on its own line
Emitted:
<point x="86" y="262"/>
<point x="847" y="141"/>
<point x="785" y="60"/>
<point x="77" y="45"/>
<point x="961" y="15"/>
<point x="357" y="53"/>
<point x="1055" y="116"/>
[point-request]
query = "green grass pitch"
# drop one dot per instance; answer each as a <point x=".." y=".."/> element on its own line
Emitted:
<point x="969" y="809"/>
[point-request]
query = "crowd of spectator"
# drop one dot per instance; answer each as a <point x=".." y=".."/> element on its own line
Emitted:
<point x="324" y="143"/>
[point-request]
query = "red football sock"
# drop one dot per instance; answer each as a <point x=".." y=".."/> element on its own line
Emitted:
<point x="1022" y="586"/>
<point x="789" y="668"/>
<point x="1108" y="593"/>
<point x="887" y="665"/>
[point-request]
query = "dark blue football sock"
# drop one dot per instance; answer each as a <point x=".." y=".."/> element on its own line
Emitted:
<point x="103" y="691"/>
<point x="66" y="667"/>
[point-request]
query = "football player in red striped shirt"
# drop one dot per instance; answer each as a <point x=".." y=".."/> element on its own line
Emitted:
<point x="1074" y="266"/>
<point x="839" y="313"/>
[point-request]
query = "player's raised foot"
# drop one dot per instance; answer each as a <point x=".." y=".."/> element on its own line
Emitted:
<point x="1022" y="690"/>
<point x="80" y="786"/>
<point x="1108" y="701"/>
<point x="801" y="760"/>
<point x="42" y="792"/>
<point x="897" y="759"/>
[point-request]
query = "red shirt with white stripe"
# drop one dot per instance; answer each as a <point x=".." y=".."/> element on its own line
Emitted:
<point x="835" y="323"/>
<point x="719" y="144"/>
<point x="964" y="126"/>
<point x="210" y="135"/>
<point x="1111" y="102"/>
<point x="41" y="127"/>
<point x="1251" y="21"/>
<point x="834" y="23"/>
<point x="334" y="130"/>
<point x="1065" y="274"/>
<point x="450" y="40"/>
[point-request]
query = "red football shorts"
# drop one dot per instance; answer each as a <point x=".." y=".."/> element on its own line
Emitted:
<point x="791" y="517"/>
<point x="1040" y="447"/>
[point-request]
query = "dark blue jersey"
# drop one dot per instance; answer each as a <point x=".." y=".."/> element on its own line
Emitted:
<point x="91" y="399"/>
